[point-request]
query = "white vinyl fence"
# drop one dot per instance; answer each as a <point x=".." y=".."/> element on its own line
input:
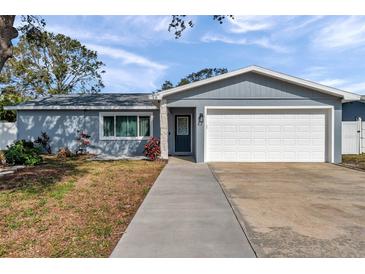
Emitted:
<point x="8" y="134"/>
<point x="353" y="137"/>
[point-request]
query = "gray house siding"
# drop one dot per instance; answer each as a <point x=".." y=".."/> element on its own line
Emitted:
<point x="352" y="110"/>
<point x="62" y="127"/>
<point x="254" y="90"/>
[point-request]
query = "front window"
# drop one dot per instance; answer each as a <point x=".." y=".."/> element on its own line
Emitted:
<point x="144" y="126"/>
<point x="125" y="125"/>
<point x="108" y="126"/>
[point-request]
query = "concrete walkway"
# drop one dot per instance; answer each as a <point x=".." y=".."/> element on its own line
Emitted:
<point x="185" y="214"/>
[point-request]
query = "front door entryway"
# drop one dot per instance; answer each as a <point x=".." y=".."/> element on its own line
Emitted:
<point x="182" y="134"/>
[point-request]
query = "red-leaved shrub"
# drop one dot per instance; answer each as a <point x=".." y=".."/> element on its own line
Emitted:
<point x="152" y="148"/>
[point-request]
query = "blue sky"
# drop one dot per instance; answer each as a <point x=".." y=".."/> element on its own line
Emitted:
<point x="140" y="53"/>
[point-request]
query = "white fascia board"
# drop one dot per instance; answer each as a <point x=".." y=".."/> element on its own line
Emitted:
<point x="266" y="72"/>
<point x="79" y="107"/>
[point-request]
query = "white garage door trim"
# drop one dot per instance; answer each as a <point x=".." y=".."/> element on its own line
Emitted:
<point x="328" y="108"/>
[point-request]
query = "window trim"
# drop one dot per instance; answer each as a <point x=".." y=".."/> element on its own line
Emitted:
<point x="138" y="114"/>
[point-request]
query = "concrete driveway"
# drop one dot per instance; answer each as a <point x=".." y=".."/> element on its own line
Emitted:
<point x="298" y="209"/>
<point x="185" y="215"/>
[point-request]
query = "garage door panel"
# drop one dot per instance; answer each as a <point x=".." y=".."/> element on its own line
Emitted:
<point x="302" y="129"/>
<point x="316" y="135"/>
<point x="275" y="135"/>
<point x="271" y="129"/>
<point x="304" y="155"/>
<point x="266" y="135"/>
<point x="273" y="142"/>
<point x="229" y="129"/>
<point x="316" y="154"/>
<point x="228" y="142"/>
<point x="244" y="129"/>
<point x="256" y="135"/>
<point x="259" y="155"/>
<point x="230" y="155"/>
<point x="306" y="142"/>
<point x="274" y="156"/>
<point x="215" y="142"/>
<point x="229" y="148"/>
<point x="244" y="155"/>
<point x="258" y="141"/>
<point x="274" y="149"/>
<point x="244" y="135"/>
<point x="318" y="142"/>
<point x="244" y="148"/>
<point x="305" y="134"/>
<point x="244" y="141"/>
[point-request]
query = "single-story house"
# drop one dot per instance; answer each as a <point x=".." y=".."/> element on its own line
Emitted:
<point x="351" y="111"/>
<point x="252" y="114"/>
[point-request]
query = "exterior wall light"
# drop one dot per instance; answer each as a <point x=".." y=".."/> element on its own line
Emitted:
<point x="201" y="118"/>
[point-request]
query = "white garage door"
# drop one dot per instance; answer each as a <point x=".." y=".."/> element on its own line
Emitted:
<point x="266" y="135"/>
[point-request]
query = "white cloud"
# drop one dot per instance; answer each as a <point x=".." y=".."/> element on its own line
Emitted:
<point x="333" y="82"/>
<point x="136" y="31"/>
<point x="162" y="24"/>
<point x="355" y="87"/>
<point x="314" y="73"/>
<point x="343" y="33"/>
<point x="243" y="24"/>
<point x="129" y="72"/>
<point x="261" y="42"/>
<point x="296" y="25"/>
<point x="126" y="79"/>
<point x="83" y="34"/>
<point x="126" y="57"/>
<point x="320" y="74"/>
<point x="266" y="43"/>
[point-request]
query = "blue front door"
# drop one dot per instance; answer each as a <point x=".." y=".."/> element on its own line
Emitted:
<point x="182" y="134"/>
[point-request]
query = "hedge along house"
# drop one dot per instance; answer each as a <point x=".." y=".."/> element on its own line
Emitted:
<point x="252" y="114"/>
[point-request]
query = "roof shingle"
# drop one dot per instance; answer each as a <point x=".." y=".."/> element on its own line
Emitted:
<point x="90" y="101"/>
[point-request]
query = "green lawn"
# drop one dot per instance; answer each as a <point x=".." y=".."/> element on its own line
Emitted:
<point x="73" y="208"/>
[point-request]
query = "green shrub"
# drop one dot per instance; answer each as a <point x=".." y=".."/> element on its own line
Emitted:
<point x="43" y="141"/>
<point x="23" y="153"/>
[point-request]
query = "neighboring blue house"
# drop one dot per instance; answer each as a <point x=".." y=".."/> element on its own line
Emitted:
<point x="252" y="114"/>
<point x="351" y="111"/>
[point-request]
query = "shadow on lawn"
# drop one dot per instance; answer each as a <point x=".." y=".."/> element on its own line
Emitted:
<point x="44" y="175"/>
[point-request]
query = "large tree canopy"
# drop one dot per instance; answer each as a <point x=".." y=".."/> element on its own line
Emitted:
<point x="9" y="98"/>
<point x="52" y="64"/>
<point x="195" y="76"/>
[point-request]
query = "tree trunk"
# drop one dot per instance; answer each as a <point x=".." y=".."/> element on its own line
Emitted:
<point x="7" y="33"/>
